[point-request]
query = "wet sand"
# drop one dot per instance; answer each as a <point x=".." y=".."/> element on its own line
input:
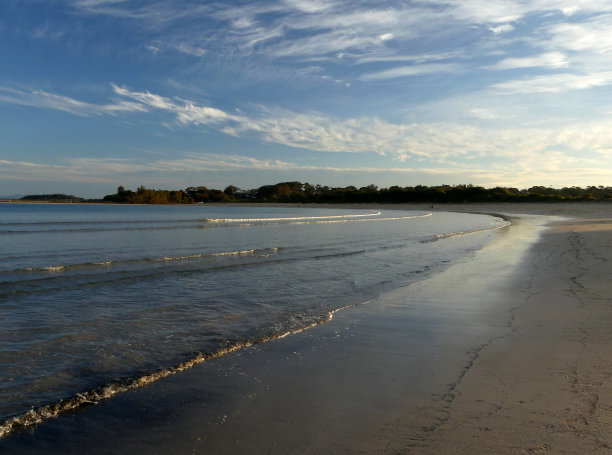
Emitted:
<point x="507" y="353"/>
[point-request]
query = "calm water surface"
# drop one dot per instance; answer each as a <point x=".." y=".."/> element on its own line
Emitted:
<point x="95" y="296"/>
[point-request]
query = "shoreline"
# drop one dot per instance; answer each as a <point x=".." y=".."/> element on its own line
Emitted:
<point x="351" y="385"/>
<point x="546" y="386"/>
<point x="544" y="207"/>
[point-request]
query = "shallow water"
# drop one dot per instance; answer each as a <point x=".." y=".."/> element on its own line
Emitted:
<point x="103" y="297"/>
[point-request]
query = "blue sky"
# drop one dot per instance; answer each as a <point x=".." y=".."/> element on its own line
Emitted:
<point x="176" y="93"/>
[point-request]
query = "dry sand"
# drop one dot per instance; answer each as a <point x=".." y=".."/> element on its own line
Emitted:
<point x="508" y="353"/>
<point x="546" y="386"/>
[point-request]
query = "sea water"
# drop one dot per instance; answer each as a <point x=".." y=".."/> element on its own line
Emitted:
<point x="97" y="299"/>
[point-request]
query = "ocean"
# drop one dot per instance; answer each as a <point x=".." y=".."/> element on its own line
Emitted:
<point x="98" y="299"/>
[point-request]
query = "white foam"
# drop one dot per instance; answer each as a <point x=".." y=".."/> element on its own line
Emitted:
<point x="313" y="220"/>
<point x="54" y="268"/>
<point x="475" y="231"/>
<point x="296" y="218"/>
<point x="39" y="415"/>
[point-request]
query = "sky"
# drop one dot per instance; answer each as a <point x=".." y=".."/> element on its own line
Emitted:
<point x="176" y="93"/>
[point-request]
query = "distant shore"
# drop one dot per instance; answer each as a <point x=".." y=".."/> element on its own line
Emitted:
<point x="305" y="193"/>
<point x="508" y="353"/>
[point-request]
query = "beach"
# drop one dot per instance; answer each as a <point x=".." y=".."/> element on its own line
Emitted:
<point x="546" y="386"/>
<point x="506" y="352"/>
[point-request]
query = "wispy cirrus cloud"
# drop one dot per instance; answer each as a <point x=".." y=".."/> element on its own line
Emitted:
<point x="590" y="35"/>
<point x="554" y="168"/>
<point x="547" y="60"/>
<point x="190" y="49"/>
<point x="186" y="112"/>
<point x="499" y="29"/>
<point x="279" y="28"/>
<point x="43" y="99"/>
<point x="485" y="114"/>
<point x="499" y="88"/>
<point x="149" y="15"/>
<point x="384" y="56"/>
<point x="327" y="27"/>
<point x="412" y="70"/>
<point x="369" y="34"/>
<point x="110" y="169"/>
<point x="435" y="141"/>
<point x="554" y="83"/>
<point x="33" y="172"/>
<point x="97" y="3"/>
<point x="310" y="6"/>
<point x="509" y="11"/>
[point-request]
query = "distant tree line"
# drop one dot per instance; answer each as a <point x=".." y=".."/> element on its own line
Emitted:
<point x="52" y="198"/>
<point x="298" y="192"/>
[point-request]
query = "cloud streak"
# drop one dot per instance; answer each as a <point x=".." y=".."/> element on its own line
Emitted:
<point x="551" y="168"/>
<point x="434" y="141"/>
<point x="43" y="99"/>
<point x="412" y="70"/>
<point x="366" y="34"/>
<point x="547" y="60"/>
<point x="554" y="83"/>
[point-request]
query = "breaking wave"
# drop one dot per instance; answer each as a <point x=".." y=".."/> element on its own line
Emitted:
<point x="106" y="391"/>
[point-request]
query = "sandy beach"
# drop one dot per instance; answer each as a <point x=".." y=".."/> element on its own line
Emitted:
<point x="506" y="353"/>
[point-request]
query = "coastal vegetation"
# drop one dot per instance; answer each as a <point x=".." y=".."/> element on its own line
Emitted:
<point x="297" y="192"/>
<point x="52" y="198"/>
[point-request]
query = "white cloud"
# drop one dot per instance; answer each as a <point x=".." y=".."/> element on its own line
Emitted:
<point x="329" y="27"/>
<point x="550" y="168"/>
<point x="309" y="6"/>
<point x="547" y="60"/>
<point x="46" y="32"/>
<point x="591" y="35"/>
<point x="385" y="56"/>
<point x="485" y="12"/>
<point x="42" y="99"/>
<point x="28" y="171"/>
<point x="322" y="44"/>
<point x="435" y="142"/>
<point x="185" y="111"/>
<point x="430" y="141"/>
<point x="146" y="98"/>
<point x="499" y="29"/>
<point x="484" y="114"/>
<point x="336" y="34"/>
<point x="322" y="133"/>
<point x="86" y="4"/>
<point x="507" y="11"/>
<point x="357" y="19"/>
<point x="186" y="48"/>
<point x="412" y="70"/>
<point x="220" y="162"/>
<point x="325" y="26"/>
<point x="555" y="83"/>
<point x="150" y="15"/>
<point x="242" y="22"/>
<point x="181" y="46"/>
<point x="570" y="10"/>
<point x="596" y="138"/>
<point x="109" y="170"/>
<point x="153" y="49"/>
